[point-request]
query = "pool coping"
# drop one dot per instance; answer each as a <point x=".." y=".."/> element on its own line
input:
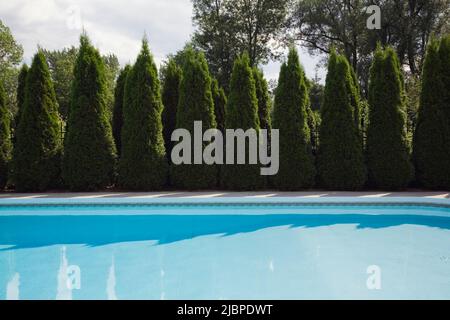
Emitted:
<point x="250" y="200"/>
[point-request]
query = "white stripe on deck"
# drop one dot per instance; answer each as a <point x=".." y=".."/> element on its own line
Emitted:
<point x="377" y="195"/>
<point x="151" y="196"/>
<point x="206" y="195"/>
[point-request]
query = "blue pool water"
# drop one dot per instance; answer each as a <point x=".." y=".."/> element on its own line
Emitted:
<point x="101" y="250"/>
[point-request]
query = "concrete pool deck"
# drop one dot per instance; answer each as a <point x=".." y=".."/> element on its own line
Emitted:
<point x="227" y="194"/>
<point x="224" y="198"/>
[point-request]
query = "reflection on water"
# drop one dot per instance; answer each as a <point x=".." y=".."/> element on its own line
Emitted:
<point x="64" y="290"/>
<point x="12" y="288"/>
<point x="162" y="274"/>
<point x="251" y="257"/>
<point x="111" y="282"/>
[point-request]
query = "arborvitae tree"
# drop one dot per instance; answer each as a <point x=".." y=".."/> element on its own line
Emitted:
<point x="170" y="97"/>
<point x="220" y="102"/>
<point x="242" y="113"/>
<point x="340" y="156"/>
<point x="432" y="135"/>
<point x="388" y="155"/>
<point x="355" y="101"/>
<point x="444" y="55"/>
<point x="143" y="163"/>
<point x="262" y="95"/>
<point x="5" y="139"/>
<point x="297" y="169"/>
<point x="117" y="122"/>
<point x="89" y="160"/>
<point x="37" y="152"/>
<point x="195" y="104"/>
<point x="20" y="93"/>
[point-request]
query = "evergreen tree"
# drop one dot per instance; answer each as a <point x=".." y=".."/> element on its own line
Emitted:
<point x="195" y="104"/>
<point x="340" y="156"/>
<point x="89" y="152"/>
<point x="220" y="102"/>
<point x="444" y="55"/>
<point x="143" y="165"/>
<point x="170" y="97"/>
<point x="242" y="113"/>
<point x="290" y="117"/>
<point x="262" y="95"/>
<point x="5" y="139"/>
<point x="355" y="101"/>
<point x="118" y="107"/>
<point x="432" y="135"/>
<point x="37" y="153"/>
<point x="20" y="93"/>
<point x="388" y="156"/>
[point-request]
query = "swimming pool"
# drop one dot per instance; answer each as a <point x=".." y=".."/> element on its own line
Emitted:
<point x="234" y="248"/>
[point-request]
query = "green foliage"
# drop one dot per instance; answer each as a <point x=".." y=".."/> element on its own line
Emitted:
<point x="179" y="58"/>
<point x="195" y="104"/>
<point x="10" y="57"/>
<point x="297" y="169"/>
<point x="227" y="28"/>
<point x="355" y="101"/>
<point x="412" y="95"/>
<point x="242" y="113"/>
<point x="5" y="139"/>
<point x="388" y="154"/>
<point x="220" y="102"/>
<point x="20" y="94"/>
<point x="405" y="25"/>
<point x="37" y="153"/>
<point x="143" y="163"/>
<point x="432" y="135"/>
<point x="444" y="55"/>
<point x="89" y="152"/>
<point x="364" y="119"/>
<point x="170" y="97"/>
<point x="340" y="156"/>
<point x="10" y="51"/>
<point x="61" y="64"/>
<point x="112" y="69"/>
<point x="262" y="95"/>
<point x="316" y="91"/>
<point x="117" y="122"/>
<point x="313" y="119"/>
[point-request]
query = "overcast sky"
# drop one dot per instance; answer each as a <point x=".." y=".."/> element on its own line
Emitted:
<point x="114" y="26"/>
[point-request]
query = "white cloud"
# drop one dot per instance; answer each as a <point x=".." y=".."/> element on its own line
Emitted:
<point x="114" y="26"/>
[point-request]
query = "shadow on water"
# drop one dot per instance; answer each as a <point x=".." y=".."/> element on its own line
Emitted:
<point x="37" y="231"/>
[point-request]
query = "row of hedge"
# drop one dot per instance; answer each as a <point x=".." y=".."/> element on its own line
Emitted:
<point x="130" y="152"/>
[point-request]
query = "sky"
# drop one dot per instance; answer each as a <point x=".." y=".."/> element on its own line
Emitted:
<point x="114" y="26"/>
